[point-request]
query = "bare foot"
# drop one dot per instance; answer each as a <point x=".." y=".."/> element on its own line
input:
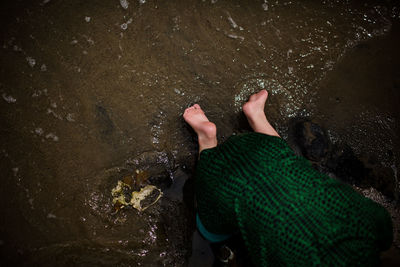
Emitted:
<point x="254" y="111"/>
<point x="206" y="130"/>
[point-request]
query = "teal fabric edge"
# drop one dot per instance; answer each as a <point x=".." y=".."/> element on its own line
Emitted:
<point x="214" y="238"/>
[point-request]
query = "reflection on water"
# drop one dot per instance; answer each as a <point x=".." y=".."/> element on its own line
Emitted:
<point x="92" y="90"/>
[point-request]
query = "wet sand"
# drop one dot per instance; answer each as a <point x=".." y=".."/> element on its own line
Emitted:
<point x="93" y="90"/>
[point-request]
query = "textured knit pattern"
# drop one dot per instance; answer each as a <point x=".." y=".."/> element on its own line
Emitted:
<point x="287" y="212"/>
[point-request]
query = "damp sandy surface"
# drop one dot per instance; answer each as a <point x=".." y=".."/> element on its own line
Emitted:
<point x="92" y="90"/>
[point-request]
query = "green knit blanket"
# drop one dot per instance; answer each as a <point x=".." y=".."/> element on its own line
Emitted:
<point x="287" y="212"/>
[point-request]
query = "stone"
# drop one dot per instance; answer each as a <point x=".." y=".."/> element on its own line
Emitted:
<point x="311" y="139"/>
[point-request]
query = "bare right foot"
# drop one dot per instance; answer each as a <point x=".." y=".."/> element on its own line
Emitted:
<point x="254" y="111"/>
<point x="206" y="130"/>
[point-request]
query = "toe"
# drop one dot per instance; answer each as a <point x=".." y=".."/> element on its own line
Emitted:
<point x="264" y="92"/>
<point x="196" y="106"/>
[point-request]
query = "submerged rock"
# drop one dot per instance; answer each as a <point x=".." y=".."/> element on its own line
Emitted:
<point x="157" y="165"/>
<point x="345" y="165"/>
<point x="311" y="139"/>
<point x="339" y="160"/>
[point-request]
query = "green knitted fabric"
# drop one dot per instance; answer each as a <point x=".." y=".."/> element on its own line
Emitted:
<point x="287" y="212"/>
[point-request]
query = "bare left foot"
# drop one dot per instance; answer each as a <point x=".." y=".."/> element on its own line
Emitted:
<point x="206" y="130"/>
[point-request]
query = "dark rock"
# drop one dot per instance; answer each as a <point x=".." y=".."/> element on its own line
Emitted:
<point x="311" y="139"/>
<point x="380" y="177"/>
<point x="346" y="166"/>
<point x="339" y="160"/>
<point x="360" y="171"/>
<point x="158" y="164"/>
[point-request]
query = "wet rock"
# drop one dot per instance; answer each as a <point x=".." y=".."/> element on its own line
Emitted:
<point x="380" y="177"/>
<point x="345" y="165"/>
<point x="159" y="166"/>
<point x="339" y="160"/>
<point x="362" y="171"/>
<point x="311" y="139"/>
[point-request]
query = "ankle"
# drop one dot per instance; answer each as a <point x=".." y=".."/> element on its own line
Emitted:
<point x="208" y="136"/>
<point x="206" y="143"/>
<point x="257" y="118"/>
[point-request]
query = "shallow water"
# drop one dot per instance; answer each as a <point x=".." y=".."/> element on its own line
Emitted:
<point x="93" y="90"/>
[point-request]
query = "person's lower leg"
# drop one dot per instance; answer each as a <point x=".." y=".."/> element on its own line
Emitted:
<point x="206" y="130"/>
<point x="254" y="111"/>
